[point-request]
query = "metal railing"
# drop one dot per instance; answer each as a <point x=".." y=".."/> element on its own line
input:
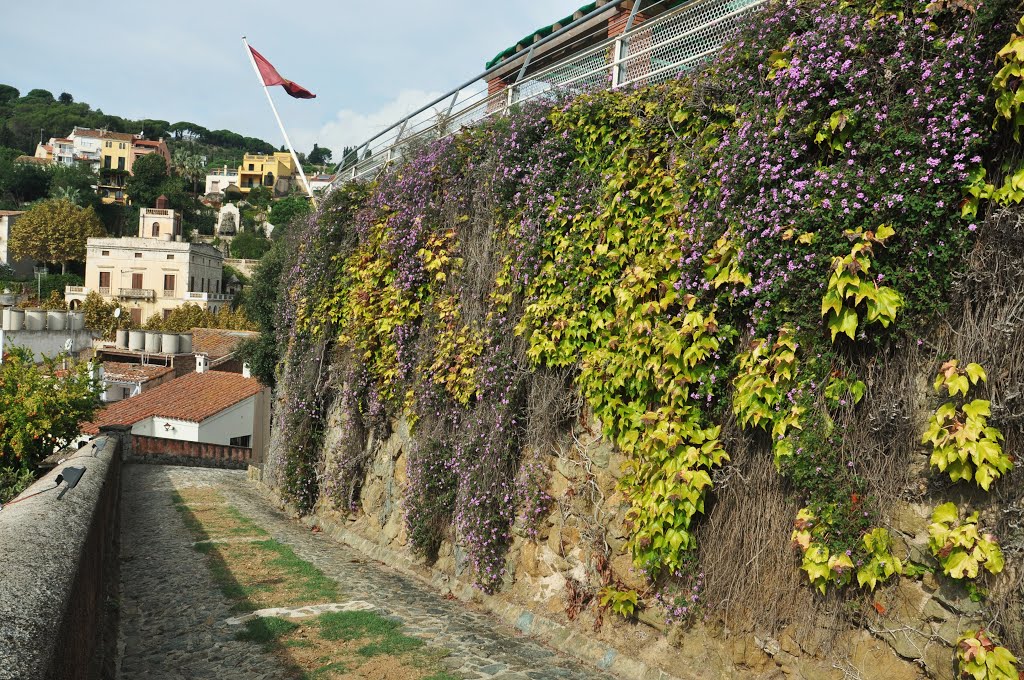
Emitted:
<point x="649" y="52"/>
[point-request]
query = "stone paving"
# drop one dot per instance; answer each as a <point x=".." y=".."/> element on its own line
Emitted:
<point x="173" y="617"/>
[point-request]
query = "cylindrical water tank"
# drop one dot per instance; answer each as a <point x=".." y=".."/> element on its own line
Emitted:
<point x="76" y="322"/>
<point x="56" y="319"/>
<point x="185" y="343"/>
<point x="170" y="343"/>
<point x="35" y="319"/>
<point x="16" y="319"/>
<point x="121" y="339"/>
<point x="153" y="341"/>
<point x="136" y="340"/>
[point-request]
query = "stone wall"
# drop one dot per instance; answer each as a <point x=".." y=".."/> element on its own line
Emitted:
<point x="58" y="563"/>
<point x="583" y="536"/>
<point x="175" y="452"/>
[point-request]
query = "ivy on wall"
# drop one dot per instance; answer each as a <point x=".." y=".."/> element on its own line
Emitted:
<point x="724" y="244"/>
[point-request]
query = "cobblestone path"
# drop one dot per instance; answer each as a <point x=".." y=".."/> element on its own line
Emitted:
<point x="173" y="615"/>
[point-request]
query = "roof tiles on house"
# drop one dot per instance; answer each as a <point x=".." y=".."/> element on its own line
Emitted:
<point x="217" y="342"/>
<point x="193" y="398"/>
<point x="119" y="371"/>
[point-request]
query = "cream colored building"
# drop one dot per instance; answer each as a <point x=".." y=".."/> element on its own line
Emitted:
<point x="154" y="272"/>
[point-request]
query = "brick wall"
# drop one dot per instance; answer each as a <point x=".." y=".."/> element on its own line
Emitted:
<point x="617" y="23"/>
<point x="175" y="452"/>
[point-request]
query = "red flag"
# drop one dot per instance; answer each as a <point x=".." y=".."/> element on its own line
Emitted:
<point x="272" y="77"/>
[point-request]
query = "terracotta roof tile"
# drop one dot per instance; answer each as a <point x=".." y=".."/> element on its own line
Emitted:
<point x="216" y="342"/>
<point x="119" y="371"/>
<point x="193" y="398"/>
<point x="104" y="134"/>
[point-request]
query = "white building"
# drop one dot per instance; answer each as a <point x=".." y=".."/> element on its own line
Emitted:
<point x="219" y="179"/>
<point x="211" y="407"/>
<point x="22" y="267"/>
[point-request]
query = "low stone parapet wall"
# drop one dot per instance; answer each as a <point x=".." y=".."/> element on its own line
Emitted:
<point x="174" y="452"/>
<point x="58" y="562"/>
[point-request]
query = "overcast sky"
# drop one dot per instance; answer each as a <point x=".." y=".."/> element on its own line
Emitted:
<point x="369" y="62"/>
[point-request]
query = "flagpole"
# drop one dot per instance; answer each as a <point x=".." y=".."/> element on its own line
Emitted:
<point x="273" y="108"/>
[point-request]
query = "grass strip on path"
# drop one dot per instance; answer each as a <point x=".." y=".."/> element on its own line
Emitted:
<point x="266" y="573"/>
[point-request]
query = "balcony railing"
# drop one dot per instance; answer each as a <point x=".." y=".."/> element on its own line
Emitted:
<point x="104" y="291"/>
<point x="76" y="290"/>
<point x="137" y="293"/>
<point x="208" y="297"/>
<point x="169" y="293"/>
<point x="677" y="40"/>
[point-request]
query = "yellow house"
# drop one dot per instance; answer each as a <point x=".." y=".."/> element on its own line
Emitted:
<point x="115" y="165"/>
<point x="276" y="172"/>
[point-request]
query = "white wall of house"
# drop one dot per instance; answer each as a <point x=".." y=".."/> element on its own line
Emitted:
<point x="46" y="343"/>
<point x="236" y="421"/>
<point x="22" y="268"/>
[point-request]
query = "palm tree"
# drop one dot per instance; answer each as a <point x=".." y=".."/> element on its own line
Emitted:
<point x="189" y="164"/>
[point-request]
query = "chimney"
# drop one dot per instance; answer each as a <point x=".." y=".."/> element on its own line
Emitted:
<point x="246" y="370"/>
<point x="202" y="363"/>
<point x="161" y="202"/>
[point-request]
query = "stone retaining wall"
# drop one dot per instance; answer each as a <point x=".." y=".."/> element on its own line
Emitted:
<point x="911" y="637"/>
<point x="58" y="560"/>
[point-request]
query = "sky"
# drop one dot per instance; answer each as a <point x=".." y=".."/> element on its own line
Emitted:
<point x="369" y="62"/>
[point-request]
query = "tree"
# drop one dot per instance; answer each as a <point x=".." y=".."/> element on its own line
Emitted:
<point x="41" y="410"/>
<point x="259" y="197"/>
<point x="100" y="316"/>
<point x="22" y="182"/>
<point x="320" y="155"/>
<point x="8" y="94"/>
<point x="248" y="246"/>
<point x="287" y="209"/>
<point x="189" y="164"/>
<point x="65" y="98"/>
<point x="148" y="174"/>
<point x="263" y="299"/>
<point x="55" y="231"/>
<point x="76" y="182"/>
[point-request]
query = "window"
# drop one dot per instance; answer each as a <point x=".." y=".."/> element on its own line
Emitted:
<point x="108" y="144"/>
<point x="106" y="162"/>
<point x="156" y="229"/>
<point x="170" y="257"/>
<point x="104" y="279"/>
<point x="137" y="281"/>
<point x="167" y="313"/>
<point x="191" y="283"/>
<point x="138" y="256"/>
<point x="245" y="441"/>
<point x="169" y="283"/>
<point x="105" y="253"/>
<point x="126" y="392"/>
<point x="251" y="166"/>
<point x="120" y="163"/>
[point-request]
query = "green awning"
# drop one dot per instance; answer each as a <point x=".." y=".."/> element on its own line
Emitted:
<point x="539" y="34"/>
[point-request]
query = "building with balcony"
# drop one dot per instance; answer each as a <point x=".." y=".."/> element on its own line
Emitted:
<point x="219" y="179"/>
<point x="111" y="154"/>
<point x="154" y="272"/>
<point x="277" y="172"/>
